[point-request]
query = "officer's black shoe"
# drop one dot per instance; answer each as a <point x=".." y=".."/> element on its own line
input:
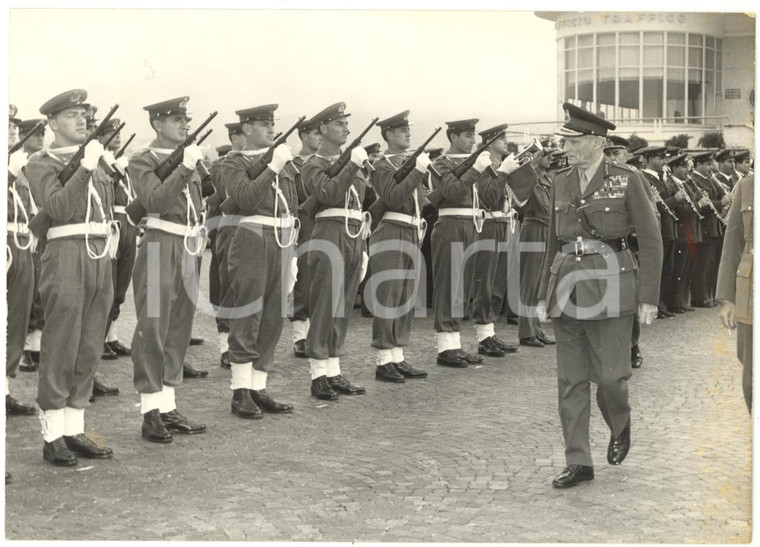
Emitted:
<point x="242" y="405"/>
<point x="299" y="348"/>
<point x="617" y="450"/>
<point x="196" y="341"/>
<point x="27" y="364"/>
<point x="224" y="360"/>
<point x="15" y="408"/>
<point x="119" y="349"/>
<point x="86" y="447"/>
<point x="321" y="389"/>
<point x="572" y="475"/>
<point x="388" y="373"/>
<point x="108" y="354"/>
<point x="636" y="358"/>
<point x="99" y="389"/>
<point x="264" y="401"/>
<point x="450" y="358"/>
<point x="408" y="371"/>
<point x="174" y="421"/>
<point x="508" y="348"/>
<point x="489" y="348"/>
<point x="153" y="428"/>
<point x="57" y="453"/>
<point x="469" y="357"/>
<point x="341" y="385"/>
<point x="532" y="342"/>
<point x="190" y="372"/>
<point x="545" y="340"/>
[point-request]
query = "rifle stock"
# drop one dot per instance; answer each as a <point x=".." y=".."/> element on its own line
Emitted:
<point x="335" y="169"/>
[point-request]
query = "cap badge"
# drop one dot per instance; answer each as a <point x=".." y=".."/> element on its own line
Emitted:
<point x="567" y="116"/>
<point x="76" y="97"/>
<point x="182" y="103"/>
<point x="341" y="108"/>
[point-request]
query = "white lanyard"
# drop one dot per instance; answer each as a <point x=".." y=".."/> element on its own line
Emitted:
<point x="19" y="204"/>
<point x="280" y="197"/>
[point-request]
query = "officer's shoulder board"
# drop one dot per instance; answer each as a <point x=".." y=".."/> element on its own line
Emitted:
<point x="624" y="167"/>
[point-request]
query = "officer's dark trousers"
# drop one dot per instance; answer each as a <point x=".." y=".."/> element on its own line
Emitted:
<point x="303" y="278"/>
<point x="703" y="283"/>
<point x="393" y="299"/>
<point x="222" y="241"/>
<point x="122" y="267"/>
<point x="20" y="289"/>
<point x="259" y="272"/>
<point x="530" y="275"/>
<point x="37" y="315"/>
<point x="668" y="270"/>
<point x="214" y="290"/>
<point x="452" y="236"/>
<point x="489" y="285"/>
<point x="76" y="293"/>
<point x="690" y="259"/>
<point x="744" y="352"/>
<point x="165" y="282"/>
<point x="333" y="286"/>
<point x="592" y="351"/>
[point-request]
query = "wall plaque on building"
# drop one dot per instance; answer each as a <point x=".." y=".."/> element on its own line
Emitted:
<point x="733" y="93"/>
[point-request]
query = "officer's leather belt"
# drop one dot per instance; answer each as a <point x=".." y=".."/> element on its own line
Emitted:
<point x="120" y="209"/>
<point x="400" y="217"/>
<point x="336" y="212"/>
<point x="580" y="247"/>
<point x="93" y="229"/>
<point x="17" y="227"/>
<point x="459" y="212"/>
<point x="275" y="222"/>
<point x="172" y="227"/>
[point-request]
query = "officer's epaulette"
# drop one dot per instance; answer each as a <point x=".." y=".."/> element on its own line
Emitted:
<point x="624" y="167"/>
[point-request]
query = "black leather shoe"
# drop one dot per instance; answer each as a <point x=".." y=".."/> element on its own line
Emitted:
<point x="617" y="450"/>
<point x="119" y="349"/>
<point x="84" y="446"/>
<point x="99" y="389"/>
<point x="224" y="360"/>
<point x="388" y="373"/>
<point x="299" y="348"/>
<point x="27" y="364"/>
<point x="687" y="308"/>
<point x="174" y="421"/>
<point x="408" y="371"/>
<point x="190" y="372"/>
<point x="153" y="428"/>
<point x="265" y="402"/>
<point x="667" y="314"/>
<point x="572" y="475"/>
<point x="450" y="358"/>
<point x="489" y="348"/>
<point x="508" y="348"/>
<point x="322" y="390"/>
<point x="15" y="408"/>
<point x="636" y="358"/>
<point x="194" y="341"/>
<point x="545" y="340"/>
<point x="701" y="305"/>
<point x="678" y="311"/>
<point x="108" y="354"/>
<point x="532" y="342"/>
<point x="341" y="385"/>
<point x="469" y="358"/>
<point x="57" y="453"/>
<point x="242" y="405"/>
<point x="35" y="355"/>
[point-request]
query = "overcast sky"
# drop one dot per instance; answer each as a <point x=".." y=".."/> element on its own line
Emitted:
<point x="496" y="66"/>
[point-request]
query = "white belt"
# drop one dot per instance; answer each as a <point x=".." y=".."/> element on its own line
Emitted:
<point x="400" y="217"/>
<point x="276" y="222"/>
<point x="458" y="212"/>
<point x="96" y="229"/>
<point x="335" y="212"/>
<point x="172" y="227"/>
<point x="227" y="221"/>
<point x="17" y="227"/>
<point x="501" y="215"/>
<point x="121" y="209"/>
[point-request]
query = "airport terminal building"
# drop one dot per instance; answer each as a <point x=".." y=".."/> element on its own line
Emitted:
<point x="660" y="74"/>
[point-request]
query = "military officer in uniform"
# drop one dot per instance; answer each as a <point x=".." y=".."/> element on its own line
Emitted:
<point x="165" y="272"/>
<point x="339" y="227"/>
<point x="735" y="277"/>
<point x="596" y="205"/>
<point x="260" y="258"/>
<point x="726" y="168"/>
<point x="76" y="284"/>
<point x="394" y="245"/>
<point x="743" y="165"/>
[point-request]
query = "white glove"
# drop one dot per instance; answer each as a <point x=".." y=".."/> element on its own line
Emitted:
<point x="359" y="156"/>
<point x="92" y="154"/>
<point x="680" y="195"/>
<point x="509" y="165"/>
<point x="108" y="157"/>
<point x="703" y="202"/>
<point x="422" y="163"/>
<point x="16" y="162"/>
<point x="541" y="314"/>
<point x="483" y="161"/>
<point x="192" y="156"/>
<point x="647" y="313"/>
<point x="293" y="274"/>
<point x="280" y="157"/>
<point x="365" y="263"/>
<point x="122" y="163"/>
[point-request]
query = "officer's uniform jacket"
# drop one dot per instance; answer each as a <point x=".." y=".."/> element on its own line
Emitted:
<point x="259" y="196"/>
<point x="398" y="198"/>
<point x="538" y="206"/>
<point x="615" y="203"/>
<point x="735" y="273"/>
<point x="711" y="226"/>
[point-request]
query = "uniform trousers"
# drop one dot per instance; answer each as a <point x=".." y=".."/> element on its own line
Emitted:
<point x="258" y="285"/>
<point x="37" y="314"/>
<point x="592" y="351"/>
<point x="76" y="292"/>
<point x="530" y="277"/>
<point x="668" y="270"/>
<point x="214" y="291"/>
<point x="165" y="282"/>
<point x="705" y="270"/>
<point x="19" y="281"/>
<point x="391" y="327"/>
<point x="687" y="254"/>
<point x="333" y="286"/>
<point x="303" y="278"/>
<point x="222" y="240"/>
<point x="122" y="266"/>
<point x="489" y="285"/>
<point x="744" y="352"/>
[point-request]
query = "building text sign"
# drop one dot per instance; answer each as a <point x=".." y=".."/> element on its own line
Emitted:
<point x="583" y="20"/>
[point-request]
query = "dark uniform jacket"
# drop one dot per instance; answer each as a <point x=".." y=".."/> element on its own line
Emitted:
<point x="711" y="226"/>
<point x="258" y="197"/>
<point x="25" y="195"/>
<point x="735" y="273"/>
<point x="615" y="203"/>
<point x="397" y="198"/>
<point x="331" y="192"/>
<point x="538" y="206"/>
<point x="666" y="191"/>
<point x="688" y="227"/>
<point x="455" y="192"/>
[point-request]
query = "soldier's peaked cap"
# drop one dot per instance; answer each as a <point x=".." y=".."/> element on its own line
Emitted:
<point x="724" y="155"/>
<point x="168" y="108"/>
<point x="397" y="120"/>
<point x="12" y="111"/>
<point x="742" y="155"/>
<point x="462" y="125"/>
<point x="579" y="122"/>
<point x="651" y="151"/>
<point x="113" y="125"/>
<point x="263" y="113"/>
<point x="679" y="159"/>
<point x="233" y="127"/>
<point x="224" y="149"/>
<point x="703" y="157"/>
<point x="27" y="125"/>
<point x="67" y="99"/>
<point x="373" y="148"/>
<point x="332" y="112"/>
<point x="615" y="141"/>
<point x="488" y="134"/>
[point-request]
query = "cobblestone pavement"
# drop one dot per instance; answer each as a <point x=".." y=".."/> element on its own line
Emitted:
<point x="463" y="456"/>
